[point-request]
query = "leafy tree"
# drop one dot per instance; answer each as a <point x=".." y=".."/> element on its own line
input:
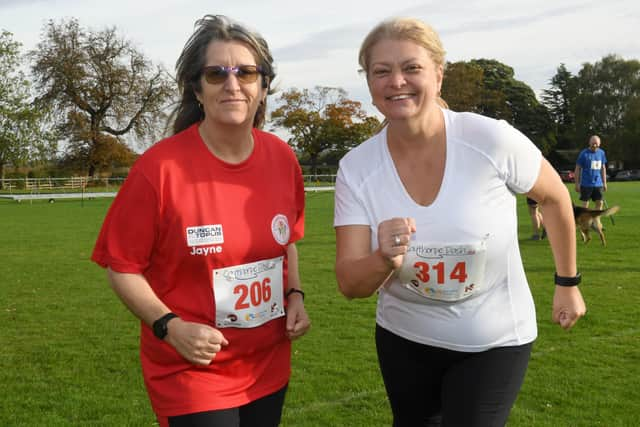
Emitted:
<point x="531" y="117"/>
<point x="606" y="104"/>
<point x="504" y="97"/>
<point x="22" y="137"/>
<point x="99" y="85"/>
<point x="560" y="102"/>
<point x="107" y="152"/>
<point x="488" y="87"/>
<point x="462" y="86"/>
<point x="627" y="143"/>
<point x="322" y="121"/>
<point x="496" y="78"/>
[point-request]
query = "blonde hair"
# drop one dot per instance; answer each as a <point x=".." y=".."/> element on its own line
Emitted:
<point x="409" y="29"/>
<point x="403" y="29"/>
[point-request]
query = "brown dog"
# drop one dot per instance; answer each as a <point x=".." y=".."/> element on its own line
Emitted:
<point x="586" y="219"/>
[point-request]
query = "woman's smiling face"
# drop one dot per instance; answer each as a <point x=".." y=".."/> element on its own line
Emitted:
<point x="404" y="82"/>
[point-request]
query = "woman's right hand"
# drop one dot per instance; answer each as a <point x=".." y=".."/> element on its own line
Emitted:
<point x="394" y="236"/>
<point x="196" y="342"/>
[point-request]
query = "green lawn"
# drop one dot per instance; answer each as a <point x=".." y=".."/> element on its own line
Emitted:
<point x="69" y="349"/>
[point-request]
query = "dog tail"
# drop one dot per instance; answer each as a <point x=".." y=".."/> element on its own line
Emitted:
<point x="610" y="211"/>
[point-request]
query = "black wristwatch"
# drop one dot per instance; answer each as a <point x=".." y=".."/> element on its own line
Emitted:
<point x="295" y="291"/>
<point x="567" y="281"/>
<point x="160" y="325"/>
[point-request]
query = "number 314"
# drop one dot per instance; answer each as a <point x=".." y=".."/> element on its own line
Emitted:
<point x="459" y="272"/>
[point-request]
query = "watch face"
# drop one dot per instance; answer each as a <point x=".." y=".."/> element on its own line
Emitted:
<point x="160" y="330"/>
<point x="160" y="325"/>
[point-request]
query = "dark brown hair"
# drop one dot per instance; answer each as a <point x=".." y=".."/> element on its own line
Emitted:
<point x="192" y="60"/>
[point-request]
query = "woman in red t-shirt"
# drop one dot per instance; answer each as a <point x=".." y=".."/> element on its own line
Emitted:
<point x="199" y="243"/>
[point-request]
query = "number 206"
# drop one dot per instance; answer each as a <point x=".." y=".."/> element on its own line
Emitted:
<point x="256" y="293"/>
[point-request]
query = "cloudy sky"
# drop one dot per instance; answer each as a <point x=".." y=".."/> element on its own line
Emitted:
<point x="316" y="42"/>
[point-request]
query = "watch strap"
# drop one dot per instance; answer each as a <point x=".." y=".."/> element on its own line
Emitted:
<point x="296" y="291"/>
<point x="567" y="281"/>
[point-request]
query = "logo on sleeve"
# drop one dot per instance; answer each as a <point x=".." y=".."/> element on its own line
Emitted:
<point x="202" y="235"/>
<point x="280" y="229"/>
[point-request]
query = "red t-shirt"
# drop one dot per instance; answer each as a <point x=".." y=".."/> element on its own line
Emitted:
<point x="183" y="213"/>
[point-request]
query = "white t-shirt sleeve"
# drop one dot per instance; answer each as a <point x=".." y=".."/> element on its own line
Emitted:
<point x="348" y="209"/>
<point x="517" y="158"/>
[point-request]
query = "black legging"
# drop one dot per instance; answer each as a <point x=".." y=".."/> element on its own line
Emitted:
<point x="264" y="412"/>
<point x="431" y="386"/>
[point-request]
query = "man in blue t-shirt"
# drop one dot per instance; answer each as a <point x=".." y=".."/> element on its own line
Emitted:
<point x="591" y="173"/>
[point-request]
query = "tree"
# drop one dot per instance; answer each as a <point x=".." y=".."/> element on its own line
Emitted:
<point x="107" y="152"/>
<point x="531" y="117"/>
<point x="322" y="121"/>
<point x="627" y="143"/>
<point x="560" y="102"/>
<point x="606" y="104"/>
<point x="506" y="98"/>
<point x="496" y="78"/>
<point x="462" y="86"/>
<point x="488" y="87"/>
<point x="99" y="85"/>
<point x="21" y="133"/>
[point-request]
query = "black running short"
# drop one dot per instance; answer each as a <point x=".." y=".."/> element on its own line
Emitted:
<point x="431" y="386"/>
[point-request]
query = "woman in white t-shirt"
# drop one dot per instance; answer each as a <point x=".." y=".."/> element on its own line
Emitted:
<point x="425" y="214"/>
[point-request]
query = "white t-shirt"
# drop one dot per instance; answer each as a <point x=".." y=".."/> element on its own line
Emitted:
<point x="487" y="163"/>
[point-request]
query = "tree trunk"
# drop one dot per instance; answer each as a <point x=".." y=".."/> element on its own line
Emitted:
<point x="314" y="165"/>
<point x="95" y="141"/>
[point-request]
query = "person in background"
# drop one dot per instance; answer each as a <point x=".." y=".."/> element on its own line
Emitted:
<point x="537" y="224"/>
<point x="199" y="243"/>
<point x="425" y="216"/>
<point x="591" y="174"/>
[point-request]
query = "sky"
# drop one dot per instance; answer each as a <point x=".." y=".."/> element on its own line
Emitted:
<point x="316" y="43"/>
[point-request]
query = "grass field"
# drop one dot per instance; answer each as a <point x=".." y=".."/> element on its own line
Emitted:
<point x="69" y="349"/>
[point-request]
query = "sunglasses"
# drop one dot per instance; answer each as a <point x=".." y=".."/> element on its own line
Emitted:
<point x="217" y="74"/>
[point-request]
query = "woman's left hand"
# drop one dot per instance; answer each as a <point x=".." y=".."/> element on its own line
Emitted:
<point x="568" y="306"/>
<point x="298" y="322"/>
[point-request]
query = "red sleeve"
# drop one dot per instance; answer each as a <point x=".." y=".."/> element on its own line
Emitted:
<point x="297" y="231"/>
<point x="129" y="230"/>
